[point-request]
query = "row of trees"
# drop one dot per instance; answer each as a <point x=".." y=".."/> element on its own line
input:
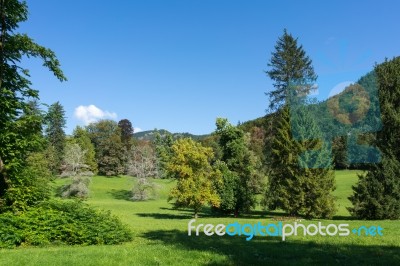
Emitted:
<point x="292" y="149"/>
<point x="226" y="170"/>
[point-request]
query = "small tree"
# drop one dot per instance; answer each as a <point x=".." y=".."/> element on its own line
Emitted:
<point x="142" y="163"/>
<point x="143" y="190"/>
<point x="190" y="165"/>
<point x="74" y="158"/>
<point x="163" y="145"/>
<point x="242" y="165"/>
<point x="81" y="137"/>
<point x="79" y="188"/>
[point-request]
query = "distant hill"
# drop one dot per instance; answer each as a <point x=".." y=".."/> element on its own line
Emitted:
<point x="149" y="135"/>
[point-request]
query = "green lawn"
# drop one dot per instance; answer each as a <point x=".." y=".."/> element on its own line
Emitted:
<point x="161" y="236"/>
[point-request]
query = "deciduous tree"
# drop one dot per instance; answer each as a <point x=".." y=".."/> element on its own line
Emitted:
<point x="190" y="165"/>
<point x="16" y="131"/>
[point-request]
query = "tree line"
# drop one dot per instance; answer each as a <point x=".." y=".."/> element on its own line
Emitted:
<point x="226" y="170"/>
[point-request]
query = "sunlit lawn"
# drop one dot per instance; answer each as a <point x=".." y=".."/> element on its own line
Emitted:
<point x="161" y="236"/>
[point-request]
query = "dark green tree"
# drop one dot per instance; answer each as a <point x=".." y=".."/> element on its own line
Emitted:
<point x="300" y="176"/>
<point x="377" y="193"/>
<point x="127" y="140"/>
<point x="289" y="63"/>
<point x="17" y="131"/>
<point x="304" y="182"/>
<point x="55" y="134"/>
<point x="226" y="186"/>
<point x="126" y="133"/>
<point x="242" y="164"/>
<point x="163" y="145"/>
<point x="106" y="137"/>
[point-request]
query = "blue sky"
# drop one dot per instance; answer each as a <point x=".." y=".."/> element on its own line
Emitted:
<point x="178" y="65"/>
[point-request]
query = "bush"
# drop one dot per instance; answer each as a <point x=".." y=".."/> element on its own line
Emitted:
<point x="79" y="188"/>
<point x="145" y="189"/>
<point x="28" y="189"/>
<point x="61" y="222"/>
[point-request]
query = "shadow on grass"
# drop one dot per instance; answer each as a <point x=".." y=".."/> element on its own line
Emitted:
<point x="344" y="218"/>
<point x="273" y="251"/>
<point x="165" y="216"/>
<point x="121" y="194"/>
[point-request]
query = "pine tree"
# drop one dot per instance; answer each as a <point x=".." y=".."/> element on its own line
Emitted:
<point x="300" y="176"/>
<point x="377" y="193"/>
<point x="289" y="63"/>
<point x="55" y="135"/>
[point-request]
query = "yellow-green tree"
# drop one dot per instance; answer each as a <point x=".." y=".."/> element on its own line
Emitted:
<point x="190" y="165"/>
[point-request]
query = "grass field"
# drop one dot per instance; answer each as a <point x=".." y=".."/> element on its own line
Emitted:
<point x="160" y="236"/>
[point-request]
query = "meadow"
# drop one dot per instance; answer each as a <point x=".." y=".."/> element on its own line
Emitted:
<point x="161" y="238"/>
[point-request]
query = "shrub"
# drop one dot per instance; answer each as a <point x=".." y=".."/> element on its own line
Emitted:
<point x="61" y="222"/>
<point x="145" y="189"/>
<point x="79" y="188"/>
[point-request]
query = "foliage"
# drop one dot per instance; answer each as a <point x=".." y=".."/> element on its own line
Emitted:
<point x="61" y="222"/>
<point x="226" y="187"/>
<point x="106" y="138"/>
<point x="81" y="137"/>
<point x="55" y="135"/>
<point x="161" y="237"/>
<point x="377" y="194"/>
<point x="289" y="62"/>
<point x="242" y="163"/>
<point x="73" y="159"/>
<point x="126" y="133"/>
<point x="163" y="144"/>
<point x="18" y="132"/>
<point x="190" y="165"/>
<point x="31" y="186"/>
<point x="300" y="178"/>
<point x="142" y="162"/>
<point x="144" y="189"/>
<point x="79" y="188"/>
<point x="299" y="183"/>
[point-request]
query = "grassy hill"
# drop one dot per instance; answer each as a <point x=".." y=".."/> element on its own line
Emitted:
<point x="160" y="236"/>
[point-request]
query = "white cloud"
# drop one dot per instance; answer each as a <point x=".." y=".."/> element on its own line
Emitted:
<point x="137" y="129"/>
<point x="91" y="113"/>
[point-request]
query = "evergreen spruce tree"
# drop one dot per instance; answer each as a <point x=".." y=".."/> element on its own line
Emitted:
<point x="300" y="177"/>
<point x="377" y="193"/>
<point x="55" y="135"/>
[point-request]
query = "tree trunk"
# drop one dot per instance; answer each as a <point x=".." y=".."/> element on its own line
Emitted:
<point x="196" y="215"/>
<point x="3" y="180"/>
